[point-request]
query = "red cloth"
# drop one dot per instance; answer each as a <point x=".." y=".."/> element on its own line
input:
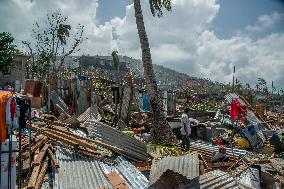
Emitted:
<point x="237" y="110"/>
<point x="234" y="113"/>
<point x="13" y="108"/>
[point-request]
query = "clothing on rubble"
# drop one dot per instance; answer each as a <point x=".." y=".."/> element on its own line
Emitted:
<point x="237" y="110"/>
<point x="9" y="113"/>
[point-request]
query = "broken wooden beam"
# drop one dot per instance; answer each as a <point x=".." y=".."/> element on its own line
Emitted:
<point x="41" y="174"/>
<point x="33" y="177"/>
<point x="52" y="158"/>
<point x="25" y="155"/>
<point x="204" y="161"/>
<point x="41" y="155"/>
<point x="64" y="137"/>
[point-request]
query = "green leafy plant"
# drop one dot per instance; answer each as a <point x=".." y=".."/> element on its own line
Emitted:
<point x="7" y="51"/>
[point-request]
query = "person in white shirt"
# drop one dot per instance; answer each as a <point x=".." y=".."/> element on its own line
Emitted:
<point x="185" y="129"/>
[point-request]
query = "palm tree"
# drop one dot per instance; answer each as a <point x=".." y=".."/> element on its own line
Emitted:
<point x="161" y="130"/>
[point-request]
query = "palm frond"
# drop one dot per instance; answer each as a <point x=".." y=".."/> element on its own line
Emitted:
<point x="156" y="6"/>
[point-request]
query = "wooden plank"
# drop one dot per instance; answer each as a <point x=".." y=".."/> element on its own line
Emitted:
<point x="26" y="165"/>
<point x="155" y="155"/>
<point x="205" y="163"/>
<point x="25" y="155"/>
<point x="61" y="138"/>
<point x="69" y="136"/>
<point x="25" y="146"/>
<point x="75" y="140"/>
<point x="33" y="177"/>
<point x="85" y="142"/>
<point x="222" y="164"/>
<point x="52" y="158"/>
<point x="41" y="155"/>
<point x="41" y="175"/>
<point x="201" y="166"/>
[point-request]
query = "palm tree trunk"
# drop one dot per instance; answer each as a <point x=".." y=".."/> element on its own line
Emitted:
<point x="161" y="130"/>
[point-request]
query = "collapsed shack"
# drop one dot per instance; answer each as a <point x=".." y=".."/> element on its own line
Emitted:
<point x="107" y="145"/>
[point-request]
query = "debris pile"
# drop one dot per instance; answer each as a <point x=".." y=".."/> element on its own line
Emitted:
<point x="107" y="144"/>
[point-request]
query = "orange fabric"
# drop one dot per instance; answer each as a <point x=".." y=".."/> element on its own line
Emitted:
<point x="4" y="97"/>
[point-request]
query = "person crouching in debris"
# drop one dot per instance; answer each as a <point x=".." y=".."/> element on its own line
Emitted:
<point x="220" y="156"/>
<point x="185" y="129"/>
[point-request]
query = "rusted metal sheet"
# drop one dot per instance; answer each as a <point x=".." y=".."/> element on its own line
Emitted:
<point x="116" y="181"/>
<point x="117" y="141"/>
<point x="187" y="165"/>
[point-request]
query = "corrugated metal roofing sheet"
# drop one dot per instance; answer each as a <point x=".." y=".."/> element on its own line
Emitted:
<point x="211" y="148"/>
<point x="56" y="99"/>
<point x="91" y="113"/>
<point x="187" y="165"/>
<point x="121" y="143"/>
<point x="80" y="173"/>
<point x="250" y="177"/>
<point x="217" y="179"/>
<point x="278" y="164"/>
<point x="134" y="178"/>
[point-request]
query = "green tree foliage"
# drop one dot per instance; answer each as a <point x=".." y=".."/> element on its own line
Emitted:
<point x="7" y="51"/>
<point x="115" y="59"/>
<point x="157" y="6"/>
<point x="261" y="86"/>
<point x="63" y="33"/>
<point x="52" y="40"/>
<point x="39" y="67"/>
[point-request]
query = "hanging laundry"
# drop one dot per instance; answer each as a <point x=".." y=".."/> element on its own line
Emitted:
<point x="12" y="114"/>
<point x="4" y="97"/>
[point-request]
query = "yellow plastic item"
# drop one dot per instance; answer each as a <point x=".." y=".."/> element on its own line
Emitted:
<point x="242" y="142"/>
<point x="229" y="131"/>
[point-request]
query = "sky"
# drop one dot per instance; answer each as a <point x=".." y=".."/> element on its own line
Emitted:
<point x="203" y="38"/>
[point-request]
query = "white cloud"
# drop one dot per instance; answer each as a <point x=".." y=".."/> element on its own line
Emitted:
<point x="18" y="17"/>
<point x="183" y="40"/>
<point x="260" y="58"/>
<point x="265" y="22"/>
